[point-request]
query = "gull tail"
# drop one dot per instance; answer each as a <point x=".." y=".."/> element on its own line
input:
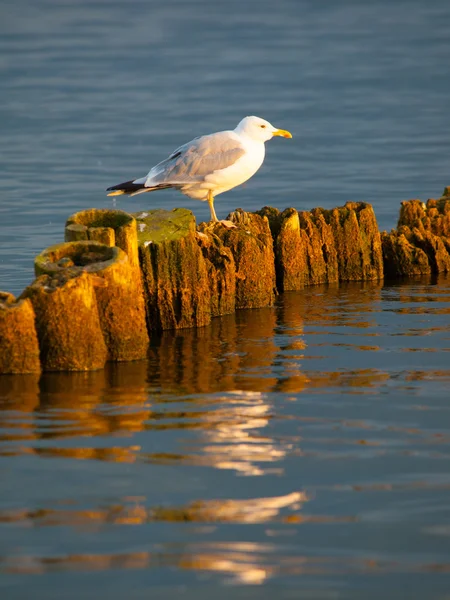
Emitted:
<point x="133" y="187"/>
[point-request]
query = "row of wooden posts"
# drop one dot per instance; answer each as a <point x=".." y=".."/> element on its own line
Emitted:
<point x="119" y="277"/>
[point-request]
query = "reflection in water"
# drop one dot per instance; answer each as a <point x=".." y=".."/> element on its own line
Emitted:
<point x="234" y="352"/>
<point x="19" y="397"/>
<point x="237" y="562"/>
<point x="324" y="423"/>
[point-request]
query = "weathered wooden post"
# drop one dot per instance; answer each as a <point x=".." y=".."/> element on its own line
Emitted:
<point x="325" y="246"/>
<point x="109" y="227"/>
<point x="117" y="290"/>
<point x="19" y="349"/>
<point x="175" y="276"/>
<point x="421" y="243"/>
<point x="67" y="322"/>
<point x="251" y="245"/>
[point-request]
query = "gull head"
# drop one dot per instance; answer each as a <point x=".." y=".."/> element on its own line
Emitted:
<point x="260" y="130"/>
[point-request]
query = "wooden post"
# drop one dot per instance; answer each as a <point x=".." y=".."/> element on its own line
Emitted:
<point x="110" y="227"/>
<point x="67" y="321"/>
<point x="421" y="243"/>
<point x="175" y="276"/>
<point x="19" y="349"/>
<point x="251" y="245"/>
<point x="117" y="289"/>
<point x="325" y="246"/>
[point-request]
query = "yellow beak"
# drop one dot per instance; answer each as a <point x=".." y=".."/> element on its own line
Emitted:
<point x="282" y="133"/>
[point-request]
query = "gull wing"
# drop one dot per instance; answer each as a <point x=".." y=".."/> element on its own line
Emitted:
<point x="193" y="161"/>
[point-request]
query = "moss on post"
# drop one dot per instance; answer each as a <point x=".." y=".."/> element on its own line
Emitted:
<point x="252" y="247"/>
<point x="110" y="227"/>
<point x="175" y="276"/>
<point x="19" y="348"/>
<point x="67" y="321"/>
<point x="119" y="293"/>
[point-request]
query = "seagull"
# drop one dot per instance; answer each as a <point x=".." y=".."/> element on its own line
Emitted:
<point x="210" y="164"/>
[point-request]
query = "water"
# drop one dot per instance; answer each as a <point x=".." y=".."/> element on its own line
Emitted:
<point x="302" y="448"/>
<point x="299" y="451"/>
<point x="94" y="93"/>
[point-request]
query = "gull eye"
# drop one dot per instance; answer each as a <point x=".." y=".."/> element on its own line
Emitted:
<point x="263" y="126"/>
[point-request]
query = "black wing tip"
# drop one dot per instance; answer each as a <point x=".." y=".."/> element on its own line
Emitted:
<point x="127" y="187"/>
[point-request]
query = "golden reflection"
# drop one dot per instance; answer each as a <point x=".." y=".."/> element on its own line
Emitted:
<point x="236" y="441"/>
<point x="19" y="397"/>
<point x="234" y="352"/>
<point x="327" y="306"/>
<point x="217" y="380"/>
<point x="128" y="512"/>
<point x="112" y="402"/>
<point x="240" y="563"/>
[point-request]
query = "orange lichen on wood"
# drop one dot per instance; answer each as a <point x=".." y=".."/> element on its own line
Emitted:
<point x="109" y="227"/>
<point x="251" y="245"/>
<point x="325" y="246"/>
<point x="118" y="291"/>
<point x="421" y="243"/>
<point x="401" y="257"/>
<point x="19" y="348"/>
<point x="67" y="322"/>
<point x="221" y="271"/>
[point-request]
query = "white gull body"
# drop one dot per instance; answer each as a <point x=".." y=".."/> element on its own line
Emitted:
<point x="209" y="165"/>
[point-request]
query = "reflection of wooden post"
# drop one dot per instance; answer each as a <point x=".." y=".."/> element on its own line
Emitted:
<point x="252" y="247"/>
<point x="19" y="350"/>
<point x="175" y="277"/>
<point x="19" y="393"/>
<point x="67" y="322"/>
<point x="118" y="293"/>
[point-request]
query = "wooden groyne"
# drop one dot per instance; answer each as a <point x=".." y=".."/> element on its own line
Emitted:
<point x="118" y="278"/>
<point x="421" y="243"/>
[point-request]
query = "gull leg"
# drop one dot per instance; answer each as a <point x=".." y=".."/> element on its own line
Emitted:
<point x="211" y="206"/>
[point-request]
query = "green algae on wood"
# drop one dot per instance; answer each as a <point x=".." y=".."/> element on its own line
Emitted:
<point x="119" y="295"/>
<point x="67" y="321"/>
<point x="251" y="245"/>
<point x="175" y="276"/>
<point x="19" y="348"/>
<point x="110" y="227"/>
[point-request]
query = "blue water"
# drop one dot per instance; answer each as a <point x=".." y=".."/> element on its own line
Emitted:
<point x="94" y="93"/>
<point x="300" y="451"/>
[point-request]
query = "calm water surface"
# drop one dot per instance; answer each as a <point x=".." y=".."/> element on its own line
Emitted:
<point x="300" y="451"/>
<point x="96" y="92"/>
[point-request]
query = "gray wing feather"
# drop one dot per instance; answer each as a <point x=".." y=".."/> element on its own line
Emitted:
<point x="195" y="160"/>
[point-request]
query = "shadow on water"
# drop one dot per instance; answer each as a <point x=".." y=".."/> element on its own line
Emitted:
<point x="309" y="439"/>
